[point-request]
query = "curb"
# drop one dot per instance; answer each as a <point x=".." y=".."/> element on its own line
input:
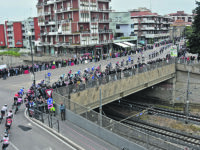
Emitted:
<point x="58" y="135"/>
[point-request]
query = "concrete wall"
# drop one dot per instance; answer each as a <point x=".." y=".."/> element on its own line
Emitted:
<point x="181" y="83"/>
<point x="124" y="87"/>
<point x="10" y="60"/>
<point x="174" y="90"/>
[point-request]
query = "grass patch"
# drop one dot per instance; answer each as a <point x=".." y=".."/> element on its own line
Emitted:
<point x="144" y="117"/>
<point x="169" y="107"/>
<point x="10" y="53"/>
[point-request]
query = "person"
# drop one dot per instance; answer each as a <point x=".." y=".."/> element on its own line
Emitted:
<point x="3" y="110"/>
<point x="53" y="111"/>
<point x="5" y="142"/>
<point x="10" y="114"/>
<point x="8" y="124"/>
<point x="62" y="111"/>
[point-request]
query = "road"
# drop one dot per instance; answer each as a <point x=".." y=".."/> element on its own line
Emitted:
<point x="25" y="134"/>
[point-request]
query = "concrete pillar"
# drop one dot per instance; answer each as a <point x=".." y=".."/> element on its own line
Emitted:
<point x="173" y="90"/>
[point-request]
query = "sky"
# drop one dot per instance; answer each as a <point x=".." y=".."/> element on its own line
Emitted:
<point x="22" y="9"/>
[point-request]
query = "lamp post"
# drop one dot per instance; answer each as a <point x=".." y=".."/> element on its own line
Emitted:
<point x="34" y="84"/>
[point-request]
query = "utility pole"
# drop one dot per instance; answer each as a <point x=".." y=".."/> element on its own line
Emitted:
<point x="187" y="99"/>
<point x="100" y="108"/>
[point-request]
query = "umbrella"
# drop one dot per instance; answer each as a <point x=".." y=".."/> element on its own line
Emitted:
<point x="87" y="54"/>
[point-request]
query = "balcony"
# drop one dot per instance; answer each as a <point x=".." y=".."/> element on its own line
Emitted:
<point x="102" y="20"/>
<point x="39" y="4"/>
<point x="41" y="23"/>
<point x="105" y="31"/>
<point x="52" y="22"/>
<point x="47" y="13"/>
<point x="84" y="20"/>
<point x="50" y="2"/>
<point x="52" y="33"/>
<point x="105" y="41"/>
<point x="104" y="0"/>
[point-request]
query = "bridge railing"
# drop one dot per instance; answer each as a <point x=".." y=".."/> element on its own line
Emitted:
<point x="187" y="62"/>
<point x="91" y="83"/>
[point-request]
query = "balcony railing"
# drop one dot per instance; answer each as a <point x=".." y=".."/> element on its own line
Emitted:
<point x="105" y="31"/>
<point x="101" y="20"/>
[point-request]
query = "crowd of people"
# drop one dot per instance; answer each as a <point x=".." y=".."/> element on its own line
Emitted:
<point x="25" y="69"/>
<point x="82" y="77"/>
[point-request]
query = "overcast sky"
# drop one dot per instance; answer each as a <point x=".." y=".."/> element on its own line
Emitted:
<point x="21" y="9"/>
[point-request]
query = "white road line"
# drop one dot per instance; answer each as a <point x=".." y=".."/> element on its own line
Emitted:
<point x="48" y="132"/>
<point x="14" y="146"/>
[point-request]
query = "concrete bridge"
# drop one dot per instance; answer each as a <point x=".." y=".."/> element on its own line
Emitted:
<point x="118" y="85"/>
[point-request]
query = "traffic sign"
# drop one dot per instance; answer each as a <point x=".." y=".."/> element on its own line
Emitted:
<point x="49" y="92"/>
<point x="50" y="106"/>
<point x="49" y="74"/>
<point x="50" y="101"/>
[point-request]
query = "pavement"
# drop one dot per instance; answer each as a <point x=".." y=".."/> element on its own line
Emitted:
<point x="25" y="134"/>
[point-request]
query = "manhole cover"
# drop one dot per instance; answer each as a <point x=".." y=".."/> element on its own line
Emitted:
<point x="24" y="128"/>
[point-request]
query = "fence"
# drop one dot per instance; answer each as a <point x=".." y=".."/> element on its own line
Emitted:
<point x="46" y="118"/>
<point x="111" y="78"/>
<point x="115" y="127"/>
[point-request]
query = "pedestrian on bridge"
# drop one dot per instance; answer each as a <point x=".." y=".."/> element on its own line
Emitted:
<point x="62" y="111"/>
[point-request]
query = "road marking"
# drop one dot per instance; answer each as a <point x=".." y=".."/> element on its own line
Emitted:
<point x="48" y="132"/>
<point x="14" y="146"/>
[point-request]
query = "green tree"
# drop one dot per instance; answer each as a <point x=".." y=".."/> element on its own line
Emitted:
<point x="193" y="34"/>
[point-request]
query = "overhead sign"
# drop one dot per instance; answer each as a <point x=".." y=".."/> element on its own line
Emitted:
<point x="49" y="74"/>
<point x="173" y="52"/>
<point x="49" y="92"/>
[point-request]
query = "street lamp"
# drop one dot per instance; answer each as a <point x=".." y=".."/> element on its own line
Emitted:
<point x="34" y="84"/>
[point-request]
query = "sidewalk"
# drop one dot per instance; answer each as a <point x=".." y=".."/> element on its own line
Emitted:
<point x="83" y="138"/>
<point x="75" y="136"/>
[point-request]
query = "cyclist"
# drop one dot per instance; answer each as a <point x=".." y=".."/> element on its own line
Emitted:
<point x="19" y="101"/>
<point x="3" y="110"/>
<point x="8" y="124"/>
<point x="10" y="114"/>
<point x="5" y="142"/>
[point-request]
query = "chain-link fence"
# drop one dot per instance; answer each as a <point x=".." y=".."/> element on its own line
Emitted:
<point x="123" y="130"/>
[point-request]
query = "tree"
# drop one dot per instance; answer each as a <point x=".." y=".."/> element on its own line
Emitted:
<point x="194" y="36"/>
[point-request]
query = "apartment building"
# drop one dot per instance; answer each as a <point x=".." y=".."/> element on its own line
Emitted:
<point x="2" y="35"/>
<point x="181" y="15"/>
<point x="16" y="33"/>
<point x="150" y="27"/>
<point x="74" y="26"/>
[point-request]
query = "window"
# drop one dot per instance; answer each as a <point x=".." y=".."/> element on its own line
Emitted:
<point x="132" y="25"/>
<point x="117" y="26"/>
<point x="81" y="27"/>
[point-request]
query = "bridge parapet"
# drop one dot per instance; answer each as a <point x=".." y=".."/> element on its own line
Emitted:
<point x="118" y="85"/>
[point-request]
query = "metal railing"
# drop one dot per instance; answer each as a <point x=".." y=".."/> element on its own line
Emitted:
<point x="118" y="128"/>
<point x="91" y="83"/>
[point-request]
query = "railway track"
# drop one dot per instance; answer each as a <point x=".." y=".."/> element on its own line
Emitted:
<point x="167" y="134"/>
<point x="178" y="115"/>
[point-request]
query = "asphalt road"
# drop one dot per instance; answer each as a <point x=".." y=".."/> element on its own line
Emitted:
<point x="24" y="134"/>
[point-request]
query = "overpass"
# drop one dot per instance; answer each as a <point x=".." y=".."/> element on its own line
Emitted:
<point x="116" y="86"/>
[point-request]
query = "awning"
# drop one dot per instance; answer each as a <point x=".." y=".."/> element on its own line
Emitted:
<point x="122" y="45"/>
<point x="129" y="44"/>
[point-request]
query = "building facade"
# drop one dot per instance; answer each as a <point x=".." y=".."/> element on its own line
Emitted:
<point x="74" y="26"/>
<point x="2" y="36"/>
<point x="121" y="24"/>
<point x="16" y="33"/>
<point x="150" y="27"/>
<point x="181" y="15"/>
